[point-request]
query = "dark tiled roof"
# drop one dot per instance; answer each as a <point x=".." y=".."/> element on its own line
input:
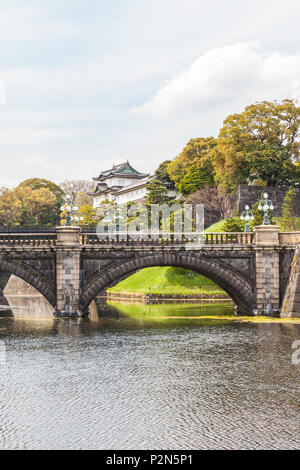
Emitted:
<point x="102" y="188"/>
<point x="123" y="169"/>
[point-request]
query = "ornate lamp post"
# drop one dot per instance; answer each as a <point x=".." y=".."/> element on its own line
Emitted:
<point x="72" y="212"/>
<point x="265" y="205"/>
<point x="247" y="215"/>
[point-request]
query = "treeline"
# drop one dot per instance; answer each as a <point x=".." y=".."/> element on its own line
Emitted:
<point x="38" y="201"/>
<point x="259" y="146"/>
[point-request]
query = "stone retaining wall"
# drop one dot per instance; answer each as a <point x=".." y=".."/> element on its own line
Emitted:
<point x="137" y="296"/>
<point x="251" y="194"/>
<point x="291" y="301"/>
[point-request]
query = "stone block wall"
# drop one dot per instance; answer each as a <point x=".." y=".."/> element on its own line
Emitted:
<point x="267" y="281"/>
<point x="251" y="194"/>
<point x="68" y="279"/>
<point x="291" y="301"/>
<point x="236" y="202"/>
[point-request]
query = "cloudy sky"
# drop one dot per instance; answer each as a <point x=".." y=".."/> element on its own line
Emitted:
<point x="88" y="83"/>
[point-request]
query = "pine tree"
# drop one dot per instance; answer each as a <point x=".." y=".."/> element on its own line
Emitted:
<point x="157" y="193"/>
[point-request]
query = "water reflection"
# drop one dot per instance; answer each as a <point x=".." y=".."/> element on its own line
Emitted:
<point x="148" y="376"/>
<point x="27" y="305"/>
<point x="19" y="299"/>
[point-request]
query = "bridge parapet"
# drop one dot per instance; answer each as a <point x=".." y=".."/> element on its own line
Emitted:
<point x="168" y="239"/>
<point x="84" y="238"/>
<point x="289" y="238"/>
<point x="27" y="239"/>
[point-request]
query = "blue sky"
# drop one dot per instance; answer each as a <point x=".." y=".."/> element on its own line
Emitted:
<point x="89" y="83"/>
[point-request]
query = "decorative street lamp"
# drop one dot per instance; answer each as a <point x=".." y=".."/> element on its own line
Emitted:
<point x="72" y="212"/>
<point x="247" y="215"/>
<point x="265" y="205"/>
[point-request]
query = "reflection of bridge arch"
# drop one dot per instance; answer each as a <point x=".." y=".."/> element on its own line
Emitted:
<point x="29" y="275"/>
<point x="236" y="285"/>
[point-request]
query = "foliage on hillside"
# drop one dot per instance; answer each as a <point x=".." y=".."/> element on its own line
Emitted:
<point x="162" y="172"/>
<point x="200" y="175"/>
<point x="260" y="145"/>
<point x="192" y="154"/>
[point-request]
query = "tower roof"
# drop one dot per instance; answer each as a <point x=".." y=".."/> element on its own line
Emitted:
<point x="121" y="170"/>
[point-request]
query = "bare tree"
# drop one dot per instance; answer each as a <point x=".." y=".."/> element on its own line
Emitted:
<point x="78" y="190"/>
<point x="215" y="200"/>
<point x="3" y="190"/>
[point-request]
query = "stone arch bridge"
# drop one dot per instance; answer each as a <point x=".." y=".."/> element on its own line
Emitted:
<point x="70" y="268"/>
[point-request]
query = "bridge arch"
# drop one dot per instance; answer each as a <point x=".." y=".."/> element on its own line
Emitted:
<point x="236" y="285"/>
<point x="29" y="275"/>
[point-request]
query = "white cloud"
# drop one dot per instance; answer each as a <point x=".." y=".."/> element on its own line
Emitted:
<point x="237" y="73"/>
<point x="73" y="75"/>
<point x="31" y="23"/>
<point x="2" y="92"/>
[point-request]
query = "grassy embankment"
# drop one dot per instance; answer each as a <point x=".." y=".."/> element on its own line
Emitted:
<point x="168" y="281"/>
<point x="218" y="227"/>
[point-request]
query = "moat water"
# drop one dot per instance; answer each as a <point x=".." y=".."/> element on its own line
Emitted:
<point x="146" y="377"/>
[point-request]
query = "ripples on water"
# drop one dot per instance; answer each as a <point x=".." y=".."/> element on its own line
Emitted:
<point x="141" y="378"/>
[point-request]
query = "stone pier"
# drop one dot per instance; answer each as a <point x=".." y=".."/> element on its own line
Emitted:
<point x="68" y="271"/>
<point x="267" y="270"/>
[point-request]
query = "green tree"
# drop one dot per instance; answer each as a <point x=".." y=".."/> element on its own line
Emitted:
<point x="233" y="224"/>
<point x="253" y="142"/>
<point x="10" y="208"/>
<point x="89" y="215"/>
<point x="157" y="192"/>
<point x="162" y="172"/>
<point x="40" y="183"/>
<point x="198" y="176"/>
<point x="39" y="206"/>
<point x="297" y="175"/>
<point x="23" y="205"/>
<point x="270" y="164"/>
<point x="288" y="221"/>
<point x="51" y="215"/>
<point x="193" y="152"/>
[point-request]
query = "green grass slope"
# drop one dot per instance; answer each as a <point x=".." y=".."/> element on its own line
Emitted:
<point x="218" y="226"/>
<point x="166" y="280"/>
<point x="215" y="228"/>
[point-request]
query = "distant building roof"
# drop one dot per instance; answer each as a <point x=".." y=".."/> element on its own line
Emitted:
<point x="102" y="188"/>
<point x="121" y="170"/>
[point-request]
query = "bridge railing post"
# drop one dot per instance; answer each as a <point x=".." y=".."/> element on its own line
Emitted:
<point x="266" y="244"/>
<point x="68" y="250"/>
